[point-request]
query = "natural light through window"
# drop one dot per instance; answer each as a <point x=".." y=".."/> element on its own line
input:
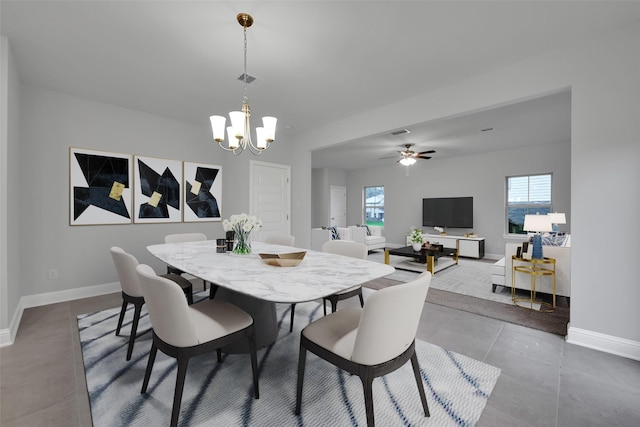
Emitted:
<point x="526" y="195"/>
<point x="374" y="205"/>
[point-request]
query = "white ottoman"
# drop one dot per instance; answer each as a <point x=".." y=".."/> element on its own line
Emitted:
<point x="497" y="274"/>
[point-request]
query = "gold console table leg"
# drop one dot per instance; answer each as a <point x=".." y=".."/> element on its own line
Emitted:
<point x="430" y="261"/>
<point x="386" y="256"/>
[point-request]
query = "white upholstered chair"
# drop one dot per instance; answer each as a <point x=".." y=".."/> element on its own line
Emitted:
<point x="370" y="342"/>
<point x="351" y="249"/>
<point x="132" y="293"/>
<point x="182" y="331"/>
<point x="281" y="239"/>
<point x="181" y="238"/>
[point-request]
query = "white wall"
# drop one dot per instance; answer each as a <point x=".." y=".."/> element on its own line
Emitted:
<point x="9" y="192"/>
<point x="605" y="151"/>
<point x="322" y="180"/>
<point x="480" y="176"/>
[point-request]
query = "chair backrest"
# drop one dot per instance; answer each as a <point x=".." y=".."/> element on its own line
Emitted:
<point x="126" y="268"/>
<point x="389" y="321"/>
<point x="184" y="237"/>
<point x="168" y="309"/>
<point x="346" y="248"/>
<point x="281" y="239"/>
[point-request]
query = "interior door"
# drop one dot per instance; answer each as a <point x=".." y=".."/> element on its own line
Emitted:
<point x="338" y="208"/>
<point x="270" y="198"/>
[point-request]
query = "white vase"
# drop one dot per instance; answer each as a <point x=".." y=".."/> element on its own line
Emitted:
<point x="416" y="246"/>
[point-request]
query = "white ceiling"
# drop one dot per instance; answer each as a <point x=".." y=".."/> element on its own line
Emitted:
<point x="317" y="61"/>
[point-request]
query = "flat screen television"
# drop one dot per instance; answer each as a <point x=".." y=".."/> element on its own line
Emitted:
<point x="451" y="212"/>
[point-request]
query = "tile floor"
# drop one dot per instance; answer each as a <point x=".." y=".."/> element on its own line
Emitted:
<point x="544" y="380"/>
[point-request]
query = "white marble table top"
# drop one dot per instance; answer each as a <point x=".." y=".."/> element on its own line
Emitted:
<point x="318" y="275"/>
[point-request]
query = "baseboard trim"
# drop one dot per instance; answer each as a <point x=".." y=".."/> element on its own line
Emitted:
<point x="602" y="342"/>
<point x="69" y="295"/>
<point x="7" y="336"/>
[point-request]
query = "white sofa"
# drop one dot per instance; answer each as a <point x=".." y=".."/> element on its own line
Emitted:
<point x="357" y="234"/>
<point x="562" y="256"/>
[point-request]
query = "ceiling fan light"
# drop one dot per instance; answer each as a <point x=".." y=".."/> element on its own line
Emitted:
<point x="407" y="161"/>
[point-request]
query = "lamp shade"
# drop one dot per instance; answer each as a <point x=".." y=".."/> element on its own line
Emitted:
<point x="217" y="126"/>
<point x="557" y="218"/>
<point x="537" y="223"/>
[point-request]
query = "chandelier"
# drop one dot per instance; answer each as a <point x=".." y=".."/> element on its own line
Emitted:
<point x="239" y="133"/>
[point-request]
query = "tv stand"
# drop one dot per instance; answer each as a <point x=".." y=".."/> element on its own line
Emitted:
<point x="469" y="247"/>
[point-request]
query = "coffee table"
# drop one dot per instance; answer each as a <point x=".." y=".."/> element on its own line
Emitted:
<point x="427" y="255"/>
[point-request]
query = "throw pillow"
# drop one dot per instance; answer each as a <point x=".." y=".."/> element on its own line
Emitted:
<point x="334" y="233"/>
<point x="365" y="226"/>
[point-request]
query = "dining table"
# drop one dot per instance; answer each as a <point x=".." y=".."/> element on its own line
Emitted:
<point x="255" y="286"/>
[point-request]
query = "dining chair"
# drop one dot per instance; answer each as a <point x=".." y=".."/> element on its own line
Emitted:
<point x="183" y="331"/>
<point x="372" y="341"/>
<point x="181" y="238"/>
<point x="284" y="240"/>
<point x="345" y="248"/>
<point x="281" y="239"/>
<point x="132" y="293"/>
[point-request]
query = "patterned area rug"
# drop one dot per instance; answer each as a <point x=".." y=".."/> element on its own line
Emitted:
<point x="215" y="394"/>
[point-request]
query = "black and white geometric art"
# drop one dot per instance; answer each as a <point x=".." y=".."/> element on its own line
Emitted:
<point x="100" y="190"/>
<point x="157" y="190"/>
<point x="202" y="192"/>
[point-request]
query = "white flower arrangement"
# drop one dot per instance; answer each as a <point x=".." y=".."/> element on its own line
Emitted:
<point x="241" y="222"/>
<point x="416" y="235"/>
<point x="439" y="229"/>
<point x="242" y="225"/>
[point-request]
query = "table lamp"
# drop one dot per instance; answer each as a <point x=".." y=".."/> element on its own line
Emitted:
<point x="557" y="218"/>
<point x="537" y="224"/>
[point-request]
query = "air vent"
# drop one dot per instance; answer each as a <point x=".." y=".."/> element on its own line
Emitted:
<point x="400" y="132"/>
<point x="487" y="130"/>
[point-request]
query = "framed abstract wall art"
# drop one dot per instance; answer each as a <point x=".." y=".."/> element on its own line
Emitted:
<point x="99" y="187"/>
<point x="157" y="190"/>
<point x="202" y="192"/>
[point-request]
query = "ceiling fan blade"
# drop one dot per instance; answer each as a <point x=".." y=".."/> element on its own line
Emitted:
<point x="427" y="152"/>
<point x="422" y="157"/>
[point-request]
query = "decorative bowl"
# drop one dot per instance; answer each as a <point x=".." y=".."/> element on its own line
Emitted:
<point x="290" y="259"/>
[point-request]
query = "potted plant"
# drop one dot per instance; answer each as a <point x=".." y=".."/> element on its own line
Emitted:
<point x="417" y="238"/>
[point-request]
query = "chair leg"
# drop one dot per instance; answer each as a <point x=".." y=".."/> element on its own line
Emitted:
<point x="213" y="288"/>
<point x="324" y="306"/>
<point x="219" y="353"/>
<point x="189" y="293"/>
<point x="183" y="361"/>
<point x="293" y="313"/>
<point x="334" y="304"/>
<point x="361" y="298"/>
<point x="416" y="373"/>
<point x="367" y="383"/>
<point x="254" y="362"/>
<point x="301" y="363"/>
<point x="134" y="329"/>
<point x="121" y="318"/>
<point x="147" y="374"/>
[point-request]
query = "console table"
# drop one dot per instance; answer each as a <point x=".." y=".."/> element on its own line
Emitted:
<point x="534" y="268"/>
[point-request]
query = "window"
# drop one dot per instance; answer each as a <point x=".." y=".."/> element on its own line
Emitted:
<point x="526" y="195"/>
<point x="374" y="205"/>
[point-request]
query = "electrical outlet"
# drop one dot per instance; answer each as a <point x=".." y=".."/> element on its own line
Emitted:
<point x="53" y="274"/>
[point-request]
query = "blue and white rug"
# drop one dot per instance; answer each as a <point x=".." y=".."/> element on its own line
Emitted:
<point x="457" y="387"/>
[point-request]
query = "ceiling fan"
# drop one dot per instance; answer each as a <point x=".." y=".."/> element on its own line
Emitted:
<point x="409" y="156"/>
